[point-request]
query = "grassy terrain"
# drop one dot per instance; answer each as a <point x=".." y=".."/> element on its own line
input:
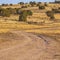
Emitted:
<point x="45" y="28"/>
<point x="50" y="26"/>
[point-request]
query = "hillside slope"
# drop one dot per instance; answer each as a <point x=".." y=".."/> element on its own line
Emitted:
<point x="17" y="45"/>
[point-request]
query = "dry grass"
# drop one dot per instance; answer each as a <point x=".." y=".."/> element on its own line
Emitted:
<point x="45" y="28"/>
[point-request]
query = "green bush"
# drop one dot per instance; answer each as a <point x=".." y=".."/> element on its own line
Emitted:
<point x="32" y="3"/>
<point x="24" y="14"/>
<point x="4" y="12"/>
<point x="12" y="10"/>
<point x="22" y="18"/>
<point x="29" y="12"/>
<point x="56" y="10"/>
<point x="18" y="10"/>
<point x="50" y="14"/>
<point x="41" y="7"/>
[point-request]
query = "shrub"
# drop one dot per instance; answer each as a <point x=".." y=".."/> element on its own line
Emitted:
<point x="41" y="7"/>
<point x="4" y="12"/>
<point x="50" y="14"/>
<point x="18" y="10"/>
<point x="12" y="10"/>
<point x="24" y="7"/>
<point x="24" y="14"/>
<point x="22" y="18"/>
<point x="4" y="4"/>
<point x="29" y="12"/>
<point x="56" y="10"/>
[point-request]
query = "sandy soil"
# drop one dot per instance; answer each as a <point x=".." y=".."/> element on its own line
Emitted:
<point x="17" y="45"/>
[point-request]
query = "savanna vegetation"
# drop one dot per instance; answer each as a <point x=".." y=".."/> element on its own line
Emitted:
<point x="29" y="9"/>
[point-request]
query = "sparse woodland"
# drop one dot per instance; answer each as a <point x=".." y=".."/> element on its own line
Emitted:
<point x="50" y="10"/>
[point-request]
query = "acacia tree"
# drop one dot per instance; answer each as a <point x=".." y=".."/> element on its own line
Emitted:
<point x="32" y="3"/>
<point x="21" y="3"/>
<point x="24" y="14"/>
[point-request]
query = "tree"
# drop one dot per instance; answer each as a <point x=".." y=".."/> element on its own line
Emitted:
<point x="24" y="14"/>
<point x="18" y="10"/>
<point x="21" y="3"/>
<point x="32" y="3"/>
<point x="4" y="4"/>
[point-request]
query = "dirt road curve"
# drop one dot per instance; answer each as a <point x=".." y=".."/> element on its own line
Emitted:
<point x="18" y="45"/>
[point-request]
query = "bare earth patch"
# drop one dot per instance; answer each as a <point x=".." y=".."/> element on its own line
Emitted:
<point x="17" y="45"/>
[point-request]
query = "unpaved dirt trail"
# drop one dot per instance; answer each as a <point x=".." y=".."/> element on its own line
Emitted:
<point x="27" y="46"/>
